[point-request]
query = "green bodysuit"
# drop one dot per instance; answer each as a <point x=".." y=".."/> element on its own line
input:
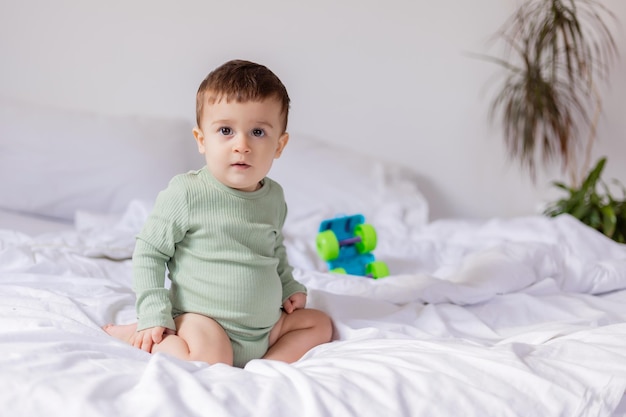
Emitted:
<point x="225" y="258"/>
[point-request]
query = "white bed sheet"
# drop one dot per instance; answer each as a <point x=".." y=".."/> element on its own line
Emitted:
<point x="31" y="225"/>
<point x="520" y="317"/>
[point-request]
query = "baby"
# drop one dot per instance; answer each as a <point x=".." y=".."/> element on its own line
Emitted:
<point x="218" y="230"/>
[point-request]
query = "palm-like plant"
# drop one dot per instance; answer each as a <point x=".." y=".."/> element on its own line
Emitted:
<point x="555" y="50"/>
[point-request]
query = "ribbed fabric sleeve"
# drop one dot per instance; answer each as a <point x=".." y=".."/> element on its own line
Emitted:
<point x="224" y="253"/>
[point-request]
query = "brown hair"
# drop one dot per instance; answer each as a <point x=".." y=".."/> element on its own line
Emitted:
<point x="241" y="81"/>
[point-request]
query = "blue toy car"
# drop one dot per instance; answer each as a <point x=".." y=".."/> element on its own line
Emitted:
<point x="346" y="243"/>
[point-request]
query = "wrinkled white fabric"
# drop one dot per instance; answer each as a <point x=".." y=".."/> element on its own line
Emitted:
<point x="518" y="317"/>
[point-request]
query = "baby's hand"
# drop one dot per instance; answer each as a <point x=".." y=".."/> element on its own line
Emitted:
<point x="295" y="302"/>
<point x="145" y="339"/>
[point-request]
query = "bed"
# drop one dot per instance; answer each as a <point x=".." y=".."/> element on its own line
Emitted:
<point x="502" y="317"/>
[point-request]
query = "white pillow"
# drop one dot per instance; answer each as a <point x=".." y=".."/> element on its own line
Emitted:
<point x="54" y="162"/>
<point x="322" y="180"/>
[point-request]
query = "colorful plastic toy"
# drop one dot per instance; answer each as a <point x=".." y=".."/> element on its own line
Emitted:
<point x="346" y="243"/>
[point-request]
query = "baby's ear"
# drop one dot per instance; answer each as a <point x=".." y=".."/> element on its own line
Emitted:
<point x="282" y="142"/>
<point x="197" y="133"/>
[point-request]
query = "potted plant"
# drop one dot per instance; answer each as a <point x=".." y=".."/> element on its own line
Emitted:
<point x="555" y="53"/>
<point x="598" y="209"/>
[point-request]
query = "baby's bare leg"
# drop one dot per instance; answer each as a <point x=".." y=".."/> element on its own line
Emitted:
<point x="297" y="333"/>
<point x="123" y="332"/>
<point x="198" y="338"/>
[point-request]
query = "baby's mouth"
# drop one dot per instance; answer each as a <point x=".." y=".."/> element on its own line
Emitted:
<point x="240" y="165"/>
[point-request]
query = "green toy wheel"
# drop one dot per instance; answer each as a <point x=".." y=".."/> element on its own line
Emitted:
<point x="327" y="245"/>
<point x="367" y="233"/>
<point x="338" y="271"/>
<point x="377" y="269"/>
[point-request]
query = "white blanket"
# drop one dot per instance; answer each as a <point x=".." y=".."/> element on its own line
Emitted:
<point x="520" y="317"/>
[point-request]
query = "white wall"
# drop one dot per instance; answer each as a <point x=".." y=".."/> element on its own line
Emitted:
<point x="388" y="78"/>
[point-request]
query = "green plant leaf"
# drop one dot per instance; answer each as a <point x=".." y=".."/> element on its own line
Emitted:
<point x="563" y="186"/>
<point x="592" y="205"/>
<point x="554" y="53"/>
<point x="590" y="182"/>
<point x="581" y="211"/>
<point x="594" y="218"/>
<point x="609" y="220"/>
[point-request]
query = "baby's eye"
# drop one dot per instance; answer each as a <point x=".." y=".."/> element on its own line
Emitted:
<point x="259" y="133"/>
<point x="226" y="131"/>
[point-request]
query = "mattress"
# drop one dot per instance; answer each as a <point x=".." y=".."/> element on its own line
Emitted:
<point x="504" y="317"/>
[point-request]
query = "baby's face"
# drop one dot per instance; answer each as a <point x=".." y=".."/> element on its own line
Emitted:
<point x="241" y="140"/>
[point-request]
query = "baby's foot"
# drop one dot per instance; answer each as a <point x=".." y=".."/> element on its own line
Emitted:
<point x="123" y="332"/>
